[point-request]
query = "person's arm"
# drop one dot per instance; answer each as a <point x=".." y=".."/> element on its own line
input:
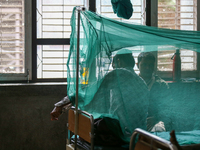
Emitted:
<point x="58" y="109"/>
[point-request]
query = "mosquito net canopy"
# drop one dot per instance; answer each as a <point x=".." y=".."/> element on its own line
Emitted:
<point x="110" y="87"/>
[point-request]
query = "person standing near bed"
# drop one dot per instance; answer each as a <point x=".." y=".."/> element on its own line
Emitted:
<point x="158" y="93"/>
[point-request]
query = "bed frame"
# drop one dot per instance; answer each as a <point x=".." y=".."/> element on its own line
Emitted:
<point x="148" y="141"/>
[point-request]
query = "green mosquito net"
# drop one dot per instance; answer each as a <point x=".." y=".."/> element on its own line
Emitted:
<point x="109" y="84"/>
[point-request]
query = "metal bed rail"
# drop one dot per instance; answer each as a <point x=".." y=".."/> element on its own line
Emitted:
<point x="152" y="137"/>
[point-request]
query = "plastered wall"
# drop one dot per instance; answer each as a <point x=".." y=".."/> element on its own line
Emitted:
<point x="25" y="117"/>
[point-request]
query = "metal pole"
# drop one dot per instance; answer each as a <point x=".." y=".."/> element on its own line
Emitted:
<point x="79" y="9"/>
<point x="77" y="78"/>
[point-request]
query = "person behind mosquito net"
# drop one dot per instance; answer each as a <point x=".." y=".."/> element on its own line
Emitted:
<point x="159" y="99"/>
<point x="146" y="65"/>
<point x="122" y="95"/>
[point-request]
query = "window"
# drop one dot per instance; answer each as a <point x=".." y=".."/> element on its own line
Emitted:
<point x="53" y="33"/>
<point x="181" y="15"/>
<point x="13" y="63"/>
<point x="12" y="33"/>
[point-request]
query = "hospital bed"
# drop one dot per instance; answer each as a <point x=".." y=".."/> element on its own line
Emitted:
<point x="140" y="140"/>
